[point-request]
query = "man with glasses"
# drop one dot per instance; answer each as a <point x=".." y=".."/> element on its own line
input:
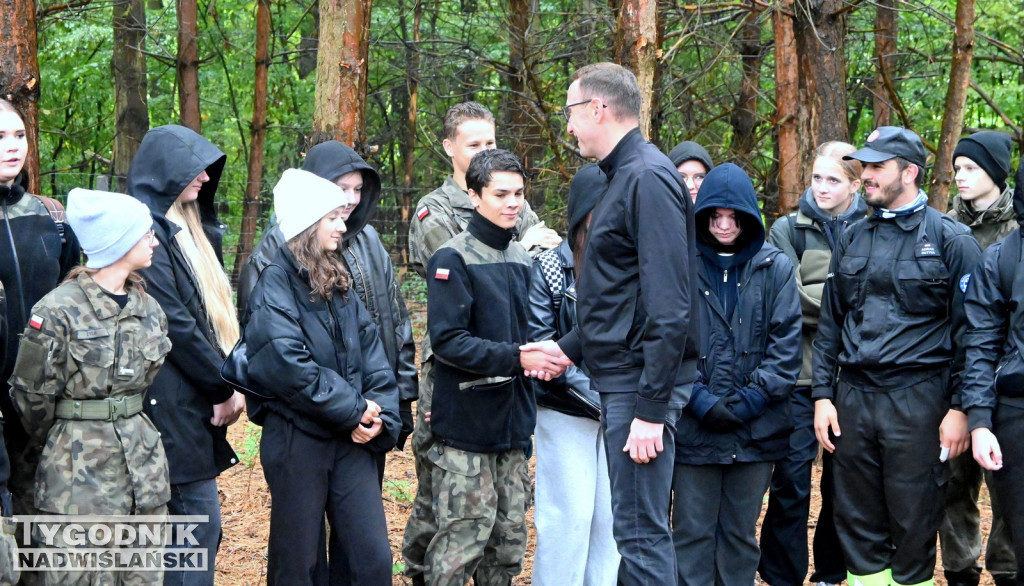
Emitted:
<point x="634" y="313"/>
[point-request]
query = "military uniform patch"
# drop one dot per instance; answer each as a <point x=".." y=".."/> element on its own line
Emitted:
<point x="441" y="274"/>
<point x="422" y="214"/>
<point x="36" y="322"/>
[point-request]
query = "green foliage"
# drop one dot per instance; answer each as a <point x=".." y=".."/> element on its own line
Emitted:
<point x="464" y="52"/>
<point x="402" y="491"/>
<point x="249" y="449"/>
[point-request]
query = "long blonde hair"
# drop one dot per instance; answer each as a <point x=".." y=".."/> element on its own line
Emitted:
<point x="214" y="288"/>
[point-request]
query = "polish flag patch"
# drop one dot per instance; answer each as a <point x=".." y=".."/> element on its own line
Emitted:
<point x="441" y="274"/>
<point x="36" y="322"/>
<point x="423" y="214"/>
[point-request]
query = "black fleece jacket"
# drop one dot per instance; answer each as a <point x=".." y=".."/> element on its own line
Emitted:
<point x="637" y="282"/>
<point x="477" y="288"/>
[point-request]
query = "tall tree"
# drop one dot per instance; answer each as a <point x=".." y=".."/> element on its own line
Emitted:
<point x="128" y="68"/>
<point x="820" y="29"/>
<point x="744" y="116"/>
<point x="339" y="109"/>
<point x="254" y="182"/>
<point x="956" y="97"/>
<point x="886" y="29"/>
<point x="188" y="64"/>
<point x="637" y="47"/>
<point x="787" y="107"/>
<point x="412" y="63"/>
<point x="526" y="120"/>
<point x="19" y="73"/>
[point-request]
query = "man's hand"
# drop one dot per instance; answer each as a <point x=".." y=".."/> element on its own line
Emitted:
<point x="953" y="433"/>
<point x="229" y="411"/>
<point x="543" y="360"/>
<point x="540" y="235"/>
<point x="644" y="441"/>
<point x="826" y="418"/>
<point x="986" y="449"/>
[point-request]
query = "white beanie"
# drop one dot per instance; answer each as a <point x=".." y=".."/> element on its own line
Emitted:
<point x="107" y="224"/>
<point x="301" y="198"/>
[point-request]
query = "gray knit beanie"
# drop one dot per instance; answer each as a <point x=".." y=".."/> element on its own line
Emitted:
<point x="107" y="224"/>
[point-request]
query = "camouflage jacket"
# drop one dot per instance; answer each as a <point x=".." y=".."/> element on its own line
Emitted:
<point x="988" y="226"/>
<point x="80" y="344"/>
<point x="441" y="215"/>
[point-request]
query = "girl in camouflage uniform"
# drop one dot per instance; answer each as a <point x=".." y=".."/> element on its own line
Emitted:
<point x="90" y="350"/>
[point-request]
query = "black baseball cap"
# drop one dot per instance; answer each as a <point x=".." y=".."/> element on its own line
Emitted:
<point x="889" y="142"/>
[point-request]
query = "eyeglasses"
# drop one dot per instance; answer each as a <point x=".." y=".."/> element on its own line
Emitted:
<point x="150" y="236"/>
<point x="567" y="109"/>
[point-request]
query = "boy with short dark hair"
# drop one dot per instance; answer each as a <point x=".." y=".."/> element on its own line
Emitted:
<point x="483" y="410"/>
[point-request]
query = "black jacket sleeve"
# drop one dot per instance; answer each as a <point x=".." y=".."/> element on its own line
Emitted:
<point x="663" y="231"/>
<point x="378" y="381"/>
<point x="962" y="254"/>
<point x="828" y="341"/>
<point x="191" y="352"/>
<point x="281" y="364"/>
<point x="406" y="375"/>
<point x="987" y="313"/>
<point x="778" y="371"/>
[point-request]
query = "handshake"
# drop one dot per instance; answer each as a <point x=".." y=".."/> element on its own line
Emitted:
<point x="543" y="360"/>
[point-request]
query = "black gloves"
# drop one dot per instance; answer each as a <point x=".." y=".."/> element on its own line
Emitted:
<point x="405" y="414"/>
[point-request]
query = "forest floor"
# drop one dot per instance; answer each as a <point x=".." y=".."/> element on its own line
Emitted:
<point x="245" y="508"/>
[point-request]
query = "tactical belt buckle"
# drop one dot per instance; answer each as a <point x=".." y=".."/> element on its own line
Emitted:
<point x="118" y="408"/>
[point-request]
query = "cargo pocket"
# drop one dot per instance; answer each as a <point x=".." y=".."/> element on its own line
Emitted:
<point x="923" y="286"/>
<point x="462" y="487"/>
<point x="31" y="365"/>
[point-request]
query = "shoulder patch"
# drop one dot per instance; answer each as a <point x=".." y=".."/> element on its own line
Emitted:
<point x="422" y="214"/>
<point x="36" y="322"/>
<point x="964" y="281"/>
<point x="441" y="274"/>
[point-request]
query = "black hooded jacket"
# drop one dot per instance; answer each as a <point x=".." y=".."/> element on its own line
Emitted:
<point x="33" y="260"/>
<point x="188" y="385"/>
<point x="749" y="344"/>
<point x="994" y="305"/>
<point x="636" y="284"/>
<point x="369" y="265"/>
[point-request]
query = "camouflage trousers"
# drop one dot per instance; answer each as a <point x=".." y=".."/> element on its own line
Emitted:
<point x="480" y="507"/>
<point x="104" y="577"/>
<point x="422" y="525"/>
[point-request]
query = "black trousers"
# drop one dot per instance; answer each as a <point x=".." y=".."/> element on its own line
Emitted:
<point x="784" y="530"/>
<point x="309" y="477"/>
<point x="1008" y="426"/>
<point x="889" y="481"/>
<point x="829" y="563"/>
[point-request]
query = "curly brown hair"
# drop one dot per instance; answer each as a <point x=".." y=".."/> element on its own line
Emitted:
<point x="327" y="273"/>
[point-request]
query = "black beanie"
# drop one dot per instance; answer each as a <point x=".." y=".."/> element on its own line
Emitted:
<point x="990" y="150"/>
<point x="586" y="189"/>
<point x="690" y="151"/>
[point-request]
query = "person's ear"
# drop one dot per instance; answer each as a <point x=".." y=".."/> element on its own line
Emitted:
<point x="474" y="198"/>
<point x="447" y="144"/>
<point x="910" y="173"/>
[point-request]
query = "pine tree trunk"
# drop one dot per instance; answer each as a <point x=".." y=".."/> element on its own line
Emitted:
<point x="254" y="182"/>
<point x="128" y="68"/>
<point x="637" y="48"/>
<point x="412" y="62"/>
<point x="956" y="97"/>
<point x="340" y="103"/>
<point x="821" y="54"/>
<point x="19" y="74"/>
<point x="188" y="65"/>
<point x="526" y="121"/>
<point x="886" y="29"/>
<point x="744" y="115"/>
<point x="787" y="106"/>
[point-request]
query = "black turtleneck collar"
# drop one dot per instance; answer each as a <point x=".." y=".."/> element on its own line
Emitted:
<point x="610" y="163"/>
<point x="10" y="195"/>
<point x="490" y="233"/>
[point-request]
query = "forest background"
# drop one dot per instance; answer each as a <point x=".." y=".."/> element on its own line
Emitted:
<point x="758" y="83"/>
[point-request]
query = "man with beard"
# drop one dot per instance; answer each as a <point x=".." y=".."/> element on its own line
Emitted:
<point x="887" y="366"/>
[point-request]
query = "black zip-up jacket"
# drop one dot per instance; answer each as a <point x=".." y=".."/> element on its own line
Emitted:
<point x="321" y="360"/>
<point x="182" y="397"/>
<point x="368" y="262"/>
<point x="994" y="368"/>
<point x="637" y="282"/>
<point x="892" y="310"/>
<point x="546" y="324"/>
<point x="752" y="346"/>
<point x="477" y="288"/>
<point x="33" y="260"/>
